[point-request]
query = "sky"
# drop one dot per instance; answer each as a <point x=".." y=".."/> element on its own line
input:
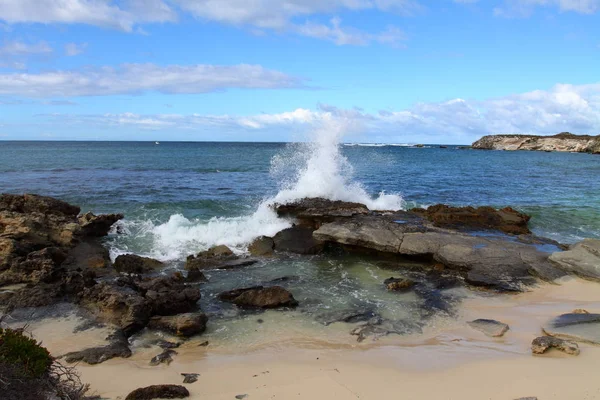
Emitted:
<point x="396" y="71"/>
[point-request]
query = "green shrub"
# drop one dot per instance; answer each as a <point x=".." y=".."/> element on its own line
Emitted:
<point x="24" y="353"/>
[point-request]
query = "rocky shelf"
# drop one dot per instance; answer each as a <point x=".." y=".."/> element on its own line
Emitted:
<point x="562" y="142"/>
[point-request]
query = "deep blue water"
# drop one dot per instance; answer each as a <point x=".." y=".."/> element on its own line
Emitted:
<point x="150" y="182"/>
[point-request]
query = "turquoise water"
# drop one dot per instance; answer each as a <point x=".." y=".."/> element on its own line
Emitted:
<point x="198" y="181"/>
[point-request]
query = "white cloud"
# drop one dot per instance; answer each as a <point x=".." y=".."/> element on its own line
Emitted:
<point x="278" y="16"/>
<point x="562" y="108"/>
<point x="73" y="49"/>
<point x="17" y="48"/>
<point x="519" y="8"/>
<point x="138" y="78"/>
<point x="122" y="15"/>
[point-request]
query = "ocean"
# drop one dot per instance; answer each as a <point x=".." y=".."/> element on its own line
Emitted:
<point x="181" y="198"/>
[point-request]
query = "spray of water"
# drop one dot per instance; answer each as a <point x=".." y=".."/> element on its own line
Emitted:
<point x="316" y="168"/>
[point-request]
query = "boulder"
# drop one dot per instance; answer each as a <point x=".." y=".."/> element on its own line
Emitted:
<point x="312" y="212"/>
<point x="506" y="220"/>
<point x="210" y="259"/>
<point x="260" y="297"/>
<point x="96" y="355"/>
<point x="97" y="225"/>
<point x="576" y="327"/>
<point x="262" y="246"/>
<point x="133" y="264"/>
<point x="542" y="344"/>
<point x="583" y="259"/>
<point x="398" y="284"/>
<point x="168" y="295"/>
<point x="185" y="325"/>
<point x="194" y="275"/>
<point x="297" y="240"/>
<point x="489" y="327"/>
<point x="159" y="392"/>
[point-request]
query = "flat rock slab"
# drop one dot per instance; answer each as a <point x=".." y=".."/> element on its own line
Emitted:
<point x="542" y="344"/>
<point x="582" y="259"/>
<point x="577" y="327"/>
<point x="490" y="327"/>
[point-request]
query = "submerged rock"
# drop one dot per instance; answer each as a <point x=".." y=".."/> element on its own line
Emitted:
<point x="506" y="220"/>
<point x="133" y="264"/>
<point x="398" y="284"/>
<point x="297" y="240"/>
<point x="210" y="258"/>
<point x="260" y="297"/>
<point x="186" y="325"/>
<point x="190" y="378"/>
<point x="542" y="344"/>
<point x="577" y="327"/>
<point x="350" y="316"/>
<point x="159" y="392"/>
<point x="583" y="259"/>
<point x="262" y="246"/>
<point x="166" y="357"/>
<point x="377" y="327"/>
<point x="490" y="327"/>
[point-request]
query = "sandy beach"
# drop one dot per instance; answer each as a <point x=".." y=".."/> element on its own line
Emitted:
<point x="448" y="361"/>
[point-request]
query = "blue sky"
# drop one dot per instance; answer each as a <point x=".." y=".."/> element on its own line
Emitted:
<point x="444" y="71"/>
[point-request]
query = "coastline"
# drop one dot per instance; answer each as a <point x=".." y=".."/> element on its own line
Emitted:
<point x="463" y="363"/>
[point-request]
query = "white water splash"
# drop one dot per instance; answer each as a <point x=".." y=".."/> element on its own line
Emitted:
<point x="313" y="169"/>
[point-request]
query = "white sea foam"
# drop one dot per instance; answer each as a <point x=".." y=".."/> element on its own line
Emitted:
<point x="313" y="169"/>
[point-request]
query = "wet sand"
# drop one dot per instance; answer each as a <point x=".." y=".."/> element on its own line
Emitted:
<point x="448" y="361"/>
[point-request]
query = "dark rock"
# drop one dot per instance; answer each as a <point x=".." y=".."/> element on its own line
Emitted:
<point x="194" y="275"/>
<point x="377" y="327"/>
<point x="96" y="355"/>
<point x="577" y="327"/>
<point x="210" y="259"/>
<point x="186" y="325"/>
<point x="349" y="316"/>
<point x="542" y="344"/>
<point x="30" y="203"/>
<point x="260" y="297"/>
<point x="165" y="344"/>
<point x="398" y="284"/>
<point x="166" y="357"/>
<point x="190" y="378"/>
<point x="312" y="212"/>
<point x="262" y="246"/>
<point x="168" y="295"/>
<point x="234" y="264"/>
<point x="97" y="225"/>
<point x="241" y="396"/>
<point x="159" y="392"/>
<point x="298" y="240"/>
<point x="490" y="327"/>
<point x="89" y="255"/>
<point x="133" y="264"/>
<point x="506" y="220"/>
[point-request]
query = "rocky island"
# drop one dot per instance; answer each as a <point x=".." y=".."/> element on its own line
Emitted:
<point x="564" y="141"/>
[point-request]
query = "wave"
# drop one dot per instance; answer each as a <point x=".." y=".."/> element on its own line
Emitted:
<point x="309" y="169"/>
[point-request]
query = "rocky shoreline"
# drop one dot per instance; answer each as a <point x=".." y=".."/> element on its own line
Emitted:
<point x="564" y="142"/>
<point x="50" y="253"/>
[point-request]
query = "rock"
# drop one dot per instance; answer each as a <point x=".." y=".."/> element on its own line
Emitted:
<point x="312" y="212"/>
<point x="262" y="246"/>
<point x="527" y="398"/>
<point x="210" y="259"/>
<point x="194" y="275"/>
<point x="398" y="284"/>
<point x="577" y="327"/>
<point x="297" y="240"/>
<point x="583" y="259"/>
<point x="241" y="396"/>
<point x="542" y="344"/>
<point x="159" y="392"/>
<point x="165" y="344"/>
<point x="490" y="327"/>
<point x="237" y="264"/>
<point x="350" y="316"/>
<point x="166" y="357"/>
<point x="133" y="264"/>
<point x="89" y="255"/>
<point x="564" y="141"/>
<point x="96" y="355"/>
<point x="118" y="304"/>
<point x="580" y="311"/>
<point x="260" y="297"/>
<point x="97" y="225"/>
<point x="32" y="203"/>
<point x="168" y="295"/>
<point x="185" y="325"/>
<point x="190" y="378"/>
<point x="377" y="327"/>
<point x="506" y="220"/>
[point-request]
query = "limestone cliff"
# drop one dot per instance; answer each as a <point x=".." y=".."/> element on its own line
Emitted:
<point x="562" y="142"/>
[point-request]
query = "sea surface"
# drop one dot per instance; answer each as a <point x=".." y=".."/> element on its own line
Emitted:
<point x="181" y="198"/>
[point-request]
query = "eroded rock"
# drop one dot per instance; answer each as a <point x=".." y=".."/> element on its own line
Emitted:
<point x="211" y="258"/>
<point x="260" y="297"/>
<point x="166" y="357"/>
<point x="489" y="327"/>
<point x="542" y="344"/>
<point x="96" y="355"/>
<point x="297" y="239"/>
<point x="398" y="284"/>
<point x="134" y="264"/>
<point x="186" y="325"/>
<point x="577" y="327"/>
<point x="159" y="392"/>
<point x="582" y="259"/>
<point x="262" y="246"/>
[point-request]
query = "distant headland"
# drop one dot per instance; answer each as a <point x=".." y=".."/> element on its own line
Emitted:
<point x="564" y="141"/>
